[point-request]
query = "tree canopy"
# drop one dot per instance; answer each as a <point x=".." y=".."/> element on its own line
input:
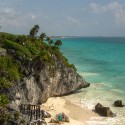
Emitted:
<point x="58" y="43"/>
<point x="34" y="30"/>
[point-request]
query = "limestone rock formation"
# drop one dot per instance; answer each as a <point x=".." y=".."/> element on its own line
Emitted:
<point x="3" y="52"/>
<point x="103" y="111"/>
<point x="40" y="84"/>
<point x="118" y="103"/>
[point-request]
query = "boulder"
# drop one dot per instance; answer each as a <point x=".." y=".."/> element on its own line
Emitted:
<point x="65" y="117"/>
<point x="118" y="103"/>
<point x="103" y="111"/>
<point x="45" y="114"/>
<point x="54" y="121"/>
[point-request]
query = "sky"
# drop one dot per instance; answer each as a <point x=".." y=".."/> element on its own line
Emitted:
<point x="64" y="17"/>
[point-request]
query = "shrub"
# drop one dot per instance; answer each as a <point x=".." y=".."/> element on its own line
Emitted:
<point x="19" y="53"/>
<point x="18" y="47"/>
<point x="13" y="73"/>
<point x="34" y="50"/>
<point x="9" y="69"/>
<point x="3" y="100"/>
<point x="4" y="84"/>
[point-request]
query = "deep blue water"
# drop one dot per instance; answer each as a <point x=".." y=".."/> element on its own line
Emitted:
<point x="101" y="59"/>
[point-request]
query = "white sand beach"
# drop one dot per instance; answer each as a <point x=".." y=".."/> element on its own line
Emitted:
<point x="77" y="115"/>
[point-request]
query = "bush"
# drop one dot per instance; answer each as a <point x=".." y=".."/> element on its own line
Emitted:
<point x="19" y="53"/>
<point x="9" y="69"/>
<point x="4" y="84"/>
<point x="13" y="73"/>
<point x="18" y="47"/>
<point x="7" y="36"/>
<point x="34" y="50"/>
<point x="3" y="100"/>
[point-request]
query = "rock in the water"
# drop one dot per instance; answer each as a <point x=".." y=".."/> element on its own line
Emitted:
<point x="103" y="111"/>
<point x="118" y="103"/>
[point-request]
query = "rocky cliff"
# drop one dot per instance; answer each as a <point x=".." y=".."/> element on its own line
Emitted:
<point x="40" y="82"/>
<point x="31" y="71"/>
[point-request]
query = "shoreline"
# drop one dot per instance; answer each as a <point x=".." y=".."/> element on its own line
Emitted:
<point x="76" y="114"/>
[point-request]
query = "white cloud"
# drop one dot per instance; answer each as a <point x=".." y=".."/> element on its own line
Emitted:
<point x="120" y="16"/>
<point x="33" y="16"/>
<point x="96" y="8"/>
<point x="14" y="17"/>
<point x="8" y="10"/>
<point x="47" y="17"/>
<point x="73" y="20"/>
<point x="116" y="8"/>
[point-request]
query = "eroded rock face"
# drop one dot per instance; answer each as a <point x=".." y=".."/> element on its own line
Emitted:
<point x="3" y="52"/>
<point x="103" y="111"/>
<point x="43" y="82"/>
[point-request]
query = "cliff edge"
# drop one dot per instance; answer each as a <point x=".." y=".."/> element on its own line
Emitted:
<point x="32" y="69"/>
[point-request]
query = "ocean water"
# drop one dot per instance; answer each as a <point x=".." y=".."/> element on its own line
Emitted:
<point x="100" y="61"/>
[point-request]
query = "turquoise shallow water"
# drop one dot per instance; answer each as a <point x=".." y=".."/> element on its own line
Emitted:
<point x="101" y="61"/>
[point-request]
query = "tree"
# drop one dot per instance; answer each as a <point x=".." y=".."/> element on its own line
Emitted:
<point x="42" y="36"/>
<point x="34" y="30"/>
<point x="51" y="42"/>
<point x="58" y="43"/>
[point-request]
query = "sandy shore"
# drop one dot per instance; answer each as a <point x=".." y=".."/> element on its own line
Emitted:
<point x="77" y="115"/>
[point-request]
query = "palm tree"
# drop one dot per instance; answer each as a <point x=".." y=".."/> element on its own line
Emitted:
<point x="42" y="36"/>
<point x="58" y="43"/>
<point x="51" y="42"/>
<point x="34" y="30"/>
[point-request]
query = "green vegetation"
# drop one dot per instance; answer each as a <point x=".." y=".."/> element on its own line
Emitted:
<point x="9" y="69"/>
<point x="4" y="83"/>
<point x="9" y="72"/>
<point x="13" y="45"/>
<point x="3" y="100"/>
<point x="34" y="30"/>
<point x="42" y="36"/>
<point x="58" y="43"/>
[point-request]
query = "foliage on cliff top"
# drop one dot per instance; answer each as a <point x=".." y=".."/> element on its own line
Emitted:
<point x="30" y="46"/>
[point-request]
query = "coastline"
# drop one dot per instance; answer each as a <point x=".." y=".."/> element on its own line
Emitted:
<point x="77" y="115"/>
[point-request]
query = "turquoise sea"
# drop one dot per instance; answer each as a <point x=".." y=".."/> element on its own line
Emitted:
<point x="100" y="61"/>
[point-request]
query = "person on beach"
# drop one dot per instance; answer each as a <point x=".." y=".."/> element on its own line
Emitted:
<point x="59" y="117"/>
